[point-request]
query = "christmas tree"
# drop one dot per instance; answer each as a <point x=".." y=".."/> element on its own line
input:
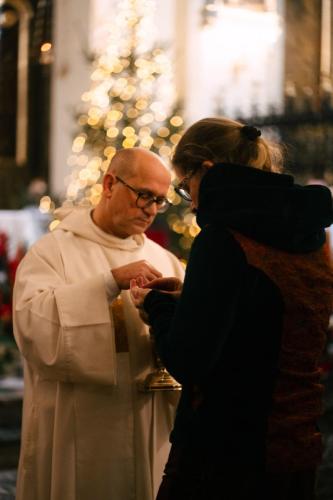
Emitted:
<point x="131" y="102"/>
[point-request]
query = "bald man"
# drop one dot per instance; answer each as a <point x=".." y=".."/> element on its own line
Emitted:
<point x="88" y="432"/>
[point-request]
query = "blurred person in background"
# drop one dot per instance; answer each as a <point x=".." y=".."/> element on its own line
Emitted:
<point x="245" y="335"/>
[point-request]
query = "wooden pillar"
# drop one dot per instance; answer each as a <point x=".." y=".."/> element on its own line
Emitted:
<point x="326" y="46"/>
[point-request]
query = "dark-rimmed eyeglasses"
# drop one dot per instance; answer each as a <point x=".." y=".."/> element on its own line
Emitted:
<point x="183" y="187"/>
<point x="145" y="199"/>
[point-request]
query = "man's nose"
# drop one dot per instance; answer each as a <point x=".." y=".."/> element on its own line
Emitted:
<point x="151" y="209"/>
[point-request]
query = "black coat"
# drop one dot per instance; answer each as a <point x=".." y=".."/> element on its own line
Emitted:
<point x="214" y="340"/>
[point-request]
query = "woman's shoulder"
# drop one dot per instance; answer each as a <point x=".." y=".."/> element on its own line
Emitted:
<point x="219" y="241"/>
<point x="218" y="234"/>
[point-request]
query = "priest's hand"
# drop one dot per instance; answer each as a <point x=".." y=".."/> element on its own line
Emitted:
<point x="138" y="296"/>
<point x="140" y="269"/>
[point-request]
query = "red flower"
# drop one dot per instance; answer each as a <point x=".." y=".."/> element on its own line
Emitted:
<point x="5" y="312"/>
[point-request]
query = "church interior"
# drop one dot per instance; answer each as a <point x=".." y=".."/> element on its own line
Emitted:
<point x="81" y="79"/>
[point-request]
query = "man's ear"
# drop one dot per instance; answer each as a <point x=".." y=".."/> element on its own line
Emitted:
<point x="207" y="164"/>
<point x="108" y="182"/>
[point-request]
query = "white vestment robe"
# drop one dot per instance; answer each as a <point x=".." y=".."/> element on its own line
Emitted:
<point x="88" y="433"/>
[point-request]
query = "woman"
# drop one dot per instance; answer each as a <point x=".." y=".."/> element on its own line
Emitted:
<point x="245" y="334"/>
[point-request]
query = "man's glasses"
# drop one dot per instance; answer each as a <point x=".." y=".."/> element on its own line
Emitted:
<point x="145" y="199"/>
<point x="183" y="187"/>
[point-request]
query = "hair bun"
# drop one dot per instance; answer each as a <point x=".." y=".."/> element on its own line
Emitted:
<point x="251" y="132"/>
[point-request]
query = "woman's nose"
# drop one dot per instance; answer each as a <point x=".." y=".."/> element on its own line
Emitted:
<point x="194" y="207"/>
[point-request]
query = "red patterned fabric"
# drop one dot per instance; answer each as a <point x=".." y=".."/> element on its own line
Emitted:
<point x="306" y="284"/>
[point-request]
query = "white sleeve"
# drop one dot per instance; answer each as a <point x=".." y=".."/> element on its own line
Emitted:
<point x="63" y="330"/>
<point x="112" y="288"/>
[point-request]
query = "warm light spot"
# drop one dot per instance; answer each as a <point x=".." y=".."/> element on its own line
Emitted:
<point x="82" y="160"/>
<point x="143" y="73"/>
<point x="119" y="106"/>
<point x="175" y="198"/>
<point x="171" y="218"/>
<point x="106" y="163"/>
<point x="163" y="132"/>
<point x="114" y="115"/>
<point x="160" y="116"/>
<point x="179" y="226"/>
<point x="78" y="144"/>
<point x="94" y="200"/>
<point x="86" y="96"/>
<point x="175" y="138"/>
<point x="45" y="204"/>
<point x="71" y="160"/>
<point x="46" y="47"/>
<point x="144" y="131"/>
<point x="95" y="163"/>
<point x="84" y="174"/>
<point x="165" y="151"/>
<point x="112" y="132"/>
<point x="83" y="119"/>
<point x="97" y="189"/>
<point x="147" y="141"/>
<point x="109" y="151"/>
<point x="117" y="68"/>
<point x="82" y="183"/>
<point x="95" y="112"/>
<point x="159" y="142"/>
<point x="128" y="131"/>
<point x="92" y="121"/>
<point x="97" y="75"/>
<point x="185" y="243"/>
<point x="147" y="118"/>
<point x="194" y="231"/>
<point x="54" y="224"/>
<point x="141" y="104"/>
<point x="176" y="121"/>
<point x="132" y="113"/>
<point x="72" y="191"/>
<point x="127" y="93"/>
<point x="129" y="142"/>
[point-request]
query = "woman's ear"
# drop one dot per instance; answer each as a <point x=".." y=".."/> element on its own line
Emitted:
<point x="207" y="164"/>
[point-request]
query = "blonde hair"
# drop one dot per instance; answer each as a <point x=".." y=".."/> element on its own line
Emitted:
<point x="224" y="140"/>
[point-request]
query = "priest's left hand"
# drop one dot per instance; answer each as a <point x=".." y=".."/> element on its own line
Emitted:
<point x="138" y="294"/>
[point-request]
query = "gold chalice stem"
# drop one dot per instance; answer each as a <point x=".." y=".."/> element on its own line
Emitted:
<point x="159" y="379"/>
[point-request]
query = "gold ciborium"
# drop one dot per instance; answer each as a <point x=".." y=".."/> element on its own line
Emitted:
<point x="159" y="379"/>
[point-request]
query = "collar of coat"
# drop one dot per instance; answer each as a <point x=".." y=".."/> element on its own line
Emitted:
<point x="268" y="207"/>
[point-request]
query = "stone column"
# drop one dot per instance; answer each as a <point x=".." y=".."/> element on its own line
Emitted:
<point x="70" y="78"/>
<point x="303" y="47"/>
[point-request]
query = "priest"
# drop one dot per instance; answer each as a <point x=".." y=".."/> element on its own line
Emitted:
<point x="88" y="431"/>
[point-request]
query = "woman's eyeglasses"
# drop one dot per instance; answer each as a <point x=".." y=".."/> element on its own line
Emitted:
<point x="183" y="187"/>
<point x="145" y="199"/>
